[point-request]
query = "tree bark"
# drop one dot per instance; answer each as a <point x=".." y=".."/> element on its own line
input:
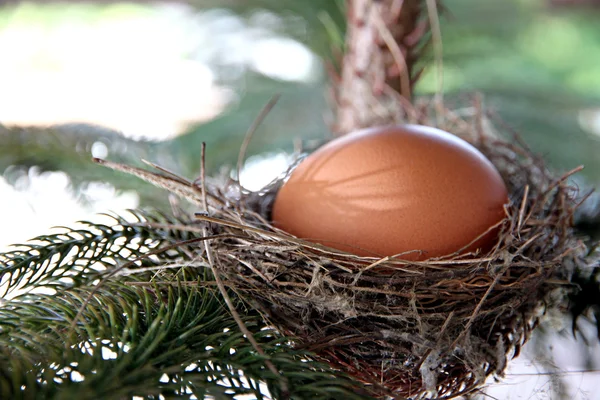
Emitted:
<point x="383" y="41"/>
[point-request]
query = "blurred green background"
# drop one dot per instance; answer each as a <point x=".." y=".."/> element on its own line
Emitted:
<point x="157" y="79"/>
<point x="127" y="81"/>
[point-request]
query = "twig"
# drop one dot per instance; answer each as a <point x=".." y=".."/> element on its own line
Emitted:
<point x="436" y="32"/>
<point x="211" y="261"/>
<point x="475" y="313"/>
<point x="522" y="209"/>
<point x="172" y="183"/>
<point x="583" y="199"/>
<point x="399" y="59"/>
<point x="166" y="171"/>
<point x="562" y="179"/>
<point x="244" y="148"/>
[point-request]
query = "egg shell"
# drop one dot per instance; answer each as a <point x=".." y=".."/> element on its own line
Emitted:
<point x="390" y="190"/>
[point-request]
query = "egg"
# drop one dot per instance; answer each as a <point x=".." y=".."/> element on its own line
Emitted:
<point x="412" y="191"/>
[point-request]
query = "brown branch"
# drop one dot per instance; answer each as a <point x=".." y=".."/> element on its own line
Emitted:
<point x="382" y="39"/>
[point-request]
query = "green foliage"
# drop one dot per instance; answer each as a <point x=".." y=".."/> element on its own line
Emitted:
<point x="538" y="69"/>
<point x="138" y="337"/>
<point x="299" y="114"/>
<point x="68" y="148"/>
<point x="320" y="17"/>
<point x="129" y="336"/>
<point x="78" y="256"/>
<point x="498" y="48"/>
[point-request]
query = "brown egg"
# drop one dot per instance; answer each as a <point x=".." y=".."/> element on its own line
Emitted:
<point x="390" y="190"/>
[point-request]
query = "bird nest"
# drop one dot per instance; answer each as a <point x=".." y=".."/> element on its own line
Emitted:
<point x="437" y="328"/>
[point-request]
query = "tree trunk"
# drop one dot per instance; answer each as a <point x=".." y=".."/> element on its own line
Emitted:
<point x="383" y="41"/>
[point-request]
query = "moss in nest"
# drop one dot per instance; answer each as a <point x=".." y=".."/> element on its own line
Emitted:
<point x="436" y="328"/>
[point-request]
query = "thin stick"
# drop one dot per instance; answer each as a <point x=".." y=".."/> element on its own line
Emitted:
<point x="544" y="195"/>
<point x="563" y="178"/>
<point x="174" y="184"/>
<point x="223" y="290"/>
<point x="274" y="235"/>
<point x="399" y="59"/>
<point x="583" y="199"/>
<point x="475" y="313"/>
<point x="158" y="225"/>
<point x="263" y="113"/>
<point x="522" y="209"/>
<point x="438" y="49"/>
<point x="166" y="171"/>
<point x="203" y="181"/>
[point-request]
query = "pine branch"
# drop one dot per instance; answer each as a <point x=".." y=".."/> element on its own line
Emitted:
<point x="384" y="39"/>
<point x="134" y="337"/>
<point x="68" y="148"/>
<point x="146" y="341"/>
<point x="75" y="257"/>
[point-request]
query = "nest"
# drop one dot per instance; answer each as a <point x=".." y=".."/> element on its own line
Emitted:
<point x="432" y="329"/>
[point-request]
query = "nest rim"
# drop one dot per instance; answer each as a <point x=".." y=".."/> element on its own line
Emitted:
<point x="544" y="201"/>
<point x="438" y="327"/>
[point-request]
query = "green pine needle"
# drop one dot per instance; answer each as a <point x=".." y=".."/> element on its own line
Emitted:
<point x="133" y="337"/>
<point x="77" y="256"/>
